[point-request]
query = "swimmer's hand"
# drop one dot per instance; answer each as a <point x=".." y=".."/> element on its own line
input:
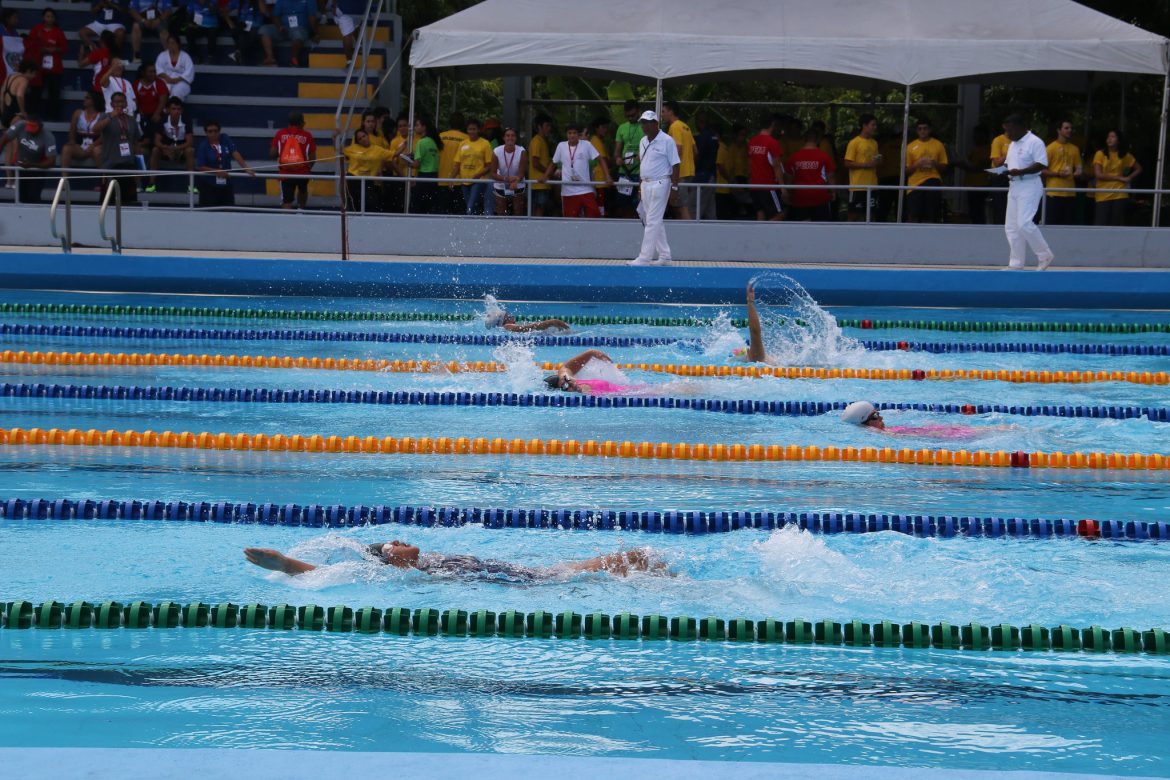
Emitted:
<point x="274" y="560"/>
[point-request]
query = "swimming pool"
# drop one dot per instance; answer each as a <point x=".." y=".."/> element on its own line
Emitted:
<point x="1076" y="712"/>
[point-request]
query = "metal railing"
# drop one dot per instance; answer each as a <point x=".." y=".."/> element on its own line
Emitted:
<point x="114" y="188"/>
<point x="67" y="239"/>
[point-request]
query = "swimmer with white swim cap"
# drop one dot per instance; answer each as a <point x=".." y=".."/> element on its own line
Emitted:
<point x="865" y="414"/>
<point x="500" y="318"/>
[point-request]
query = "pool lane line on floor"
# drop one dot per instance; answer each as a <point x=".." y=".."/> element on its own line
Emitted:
<point x="428" y="622"/>
<point x="644" y="450"/>
<point x="686" y="370"/>
<point x="494" y="340"/>
<point x="541" y="400"/>
<point x="581" y="519"/>
<point x="113" y="310"/>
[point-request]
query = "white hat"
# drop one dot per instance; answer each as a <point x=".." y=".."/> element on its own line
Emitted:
<point x="648" y="116"/>
<point x="857" y="412"/>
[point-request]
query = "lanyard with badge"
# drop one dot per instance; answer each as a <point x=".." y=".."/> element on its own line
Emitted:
<point x="124" y="144"/>
<point x="508" y="192"/>
<point x="572" y="160"/>
<point x="222" y="161"/>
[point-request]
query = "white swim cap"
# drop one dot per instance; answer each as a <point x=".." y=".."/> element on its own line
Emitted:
<point x="857" y="412"/>
<point x="494" y="318"/>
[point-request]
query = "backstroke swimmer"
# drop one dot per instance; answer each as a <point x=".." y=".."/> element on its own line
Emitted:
<point x="407" y="556"/>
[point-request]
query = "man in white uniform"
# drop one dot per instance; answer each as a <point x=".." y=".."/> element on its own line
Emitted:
<point x="1026" y="158"/>
<point x="659" y="168"/>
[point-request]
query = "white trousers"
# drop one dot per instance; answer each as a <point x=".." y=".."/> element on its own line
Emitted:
<point x="652" y="209"/>
<point x="1023" y="200"/>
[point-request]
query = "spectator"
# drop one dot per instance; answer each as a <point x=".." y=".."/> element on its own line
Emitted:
<point x="811" y="165"/>
<point x="245" y="18"/>
<point x="151" y="94"/>
<point x="706" y="153"/>
<point x="766" y="167"/>
<point x="573" y="160"/>
<point x="98" y="57"/>
<point x="598" y="133"/>
<point x="791" y="135"/>
<point x="295" y="151"/>
<point x="861" y="160"/>
<point x="379" y="113"/>
<point x="176" y="68"/>
<point x="36" y="150"/>
<point x="346" y="14"/>
<point x="113" y="81"/>
<point x="539" y="159"/>
<point x="203" y="28"/>
<point x="1115" y="169"/>
<point x="119" y="133"/>
<point x="926" y="160"/>
<point x="17" y="92"/>
<point x="1064" y="168"/>
<point x="295" y="20"/>
<point x="425" y="164"/>
<point x="510" y="163"/>
<point x="46" y="45"/>
<point x="889" y="173"/>
<point x="998" y="199"/>
<point x="625" y="162"/>
<point x="370" y="125"/>
<point x="364" y="158"/>
<point x="148" y="16"/>
<point x="731" y="164"/>
<point x="395" y="192"/>
<point x="491" y="131"/>
<point x="677" y="129"/>
<point x="84" y="141"/>
<point x="215" y="155"/>
<point x="108" y="16"/>
<point x="976" y="176"/>
<point x="173" y="142"/>
<point x="473" y="164"/>
<point x="659" y="166"/>
<point x="453" y="140"/>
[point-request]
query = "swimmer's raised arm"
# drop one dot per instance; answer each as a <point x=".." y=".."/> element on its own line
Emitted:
<point x="755" y="353"/>
<point x="575" y="364"/>
<point x="276" y="561"/>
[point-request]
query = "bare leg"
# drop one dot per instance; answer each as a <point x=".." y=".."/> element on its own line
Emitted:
<point x="756" y="352"/>
<point x="621" y="564"/>
<point x="276" y="561"/>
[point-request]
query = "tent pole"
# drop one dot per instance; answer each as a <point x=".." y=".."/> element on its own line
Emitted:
<point x="438" y="97"/>
<point x="1158" y="176"/>
<point x="905" y="140"/>
<point x="658" y="96"/>
<point x="409" y="137"/>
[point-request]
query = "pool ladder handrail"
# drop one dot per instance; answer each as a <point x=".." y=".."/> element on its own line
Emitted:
<point x="114" y="189"/>
<point x="67" y="239"/>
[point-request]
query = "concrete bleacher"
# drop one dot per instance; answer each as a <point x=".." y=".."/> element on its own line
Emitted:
<point x="250" y="101"/>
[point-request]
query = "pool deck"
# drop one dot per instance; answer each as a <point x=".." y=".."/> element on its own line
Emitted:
<point x="179" y="764"/>
<point x="256" y="273"/>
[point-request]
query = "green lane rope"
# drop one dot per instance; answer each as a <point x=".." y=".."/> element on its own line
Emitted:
<point x="93" y="310"/>
<point x="402" y="621"/>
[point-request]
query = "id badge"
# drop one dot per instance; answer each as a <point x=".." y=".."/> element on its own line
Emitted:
<point x="47" y="62"/>
<point x="124" y="149"/>
<point x="509" y="193"/>
<point x="222" y="182"/>
<point x="108" y="15"/>
<point x="248" y="26"/>
<point x="574" y="177"/>
<point x="151" y="13"/>
<point x="293" y="23"/>
<point x="198" y="19"/>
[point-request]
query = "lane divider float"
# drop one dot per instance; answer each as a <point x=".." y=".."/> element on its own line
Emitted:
<point x="581" y="519"/>
<point x="554" y="400"/>
<point x="645" y="450"/>
<point x="483" y="623"/>
<point x="686" y="370"/>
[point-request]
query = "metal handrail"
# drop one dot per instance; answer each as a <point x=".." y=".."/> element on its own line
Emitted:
<point x="362" y="48"/>
<point x="115" y="189"/>
<point x="67" y="239"/>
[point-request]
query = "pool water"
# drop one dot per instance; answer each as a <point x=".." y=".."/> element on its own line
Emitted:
<point x="719" y="701"/>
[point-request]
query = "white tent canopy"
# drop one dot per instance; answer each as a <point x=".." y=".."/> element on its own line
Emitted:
<point x="901" y="42"/>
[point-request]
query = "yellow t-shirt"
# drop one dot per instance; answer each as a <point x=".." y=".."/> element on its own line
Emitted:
<point x="1061" y="158"/>
<point x="396" y="143"/>
<point x="724" y="162"/>
<point x="739" y="158"/>
<point x="862" y="150"/>
<point x="376" y="139"/>
<point x="452" y="141"/>
<point x="365" y="160"/>
<point x="1112" y="165"/>
<point x="473" y="156"/>
<point x="682" y="136"/>
<point x="538" y="153"/>
<point x="599" y="144"/>
<point x="917" y="150"/>
<point x="999" y="147"/>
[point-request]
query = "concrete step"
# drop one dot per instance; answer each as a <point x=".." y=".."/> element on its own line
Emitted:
<point x="320" y="91"/>
<point x="377" y="61"/>
<point x="325" y="121"/>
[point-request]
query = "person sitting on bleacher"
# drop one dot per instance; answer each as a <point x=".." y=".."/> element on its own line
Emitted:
<point x="202" y="28"/>
<point x="295" y="20"/>
<point x="176" y="68"/>
<point x="84" y="142"/>
<point x="149" y="16"/>
<point x="36" y="150"/>
<point x="346" y="15"/>
<point x="113" y="81"/>
<point x="173" y="142"/>
<point x="97" y="57"/>
<point x="151" y="93"/>
<point x="244" y="19"/>
<point x="108" y="16"/>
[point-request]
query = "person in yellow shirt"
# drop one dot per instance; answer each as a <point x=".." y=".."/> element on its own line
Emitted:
<point x="1115" y="169"/>
<point x="1064" y="168"/>
<point x="363" y="158"/>
<point x="395" y="131"/>
<point x="450" y="200"/>
<point x="599" y="137"/>
<point x="731" y="167"/>
<point x="976" y="178"/>
<point x="926" y="161"/>
<point x="685" y="140"/>
<point x="473" y="164"/>
<point x="862" y="159"/>
<point x="539" y="158"/>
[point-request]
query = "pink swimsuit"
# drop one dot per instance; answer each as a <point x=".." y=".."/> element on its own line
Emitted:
<point x="935" y="431"/>
<point x="605" y="387"/>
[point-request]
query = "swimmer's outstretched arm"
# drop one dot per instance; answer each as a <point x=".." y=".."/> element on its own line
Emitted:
<point x="575" y="364"/>
<point x="274" y="560"/>
<point x="755" y="353"/>
<point x="531" y="326"/>
<point x="622" y="563"/>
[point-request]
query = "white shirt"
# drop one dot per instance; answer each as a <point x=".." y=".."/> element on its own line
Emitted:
<point x="1025" y="152"/>
<point x="509" y="165"/>
<point x="184" y="68"/>
<point x="118" y="84"/>
<point x="658" y="157"/>
<point x="574" y="162"/>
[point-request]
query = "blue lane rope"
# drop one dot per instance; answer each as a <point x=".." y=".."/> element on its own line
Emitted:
<point x="205" y="334"/>
<point x="557" y="400"/>
<point x="581" y="519"/>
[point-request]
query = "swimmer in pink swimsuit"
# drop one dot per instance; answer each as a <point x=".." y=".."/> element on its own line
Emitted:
<point x="566" y="377"/>
<point x="866" y="415"/>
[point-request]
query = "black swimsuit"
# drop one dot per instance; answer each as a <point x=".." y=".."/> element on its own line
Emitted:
<point x="471" y="567"/>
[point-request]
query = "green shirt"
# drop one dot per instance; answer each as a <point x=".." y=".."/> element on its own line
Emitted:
<point x="427" y="155"/>
<point x="629" y="135"/>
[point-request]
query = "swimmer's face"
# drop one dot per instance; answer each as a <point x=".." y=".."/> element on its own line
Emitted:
<point x="400" y="554"/>
<point x="508" y="320"/>
<point x="875" y="421"/>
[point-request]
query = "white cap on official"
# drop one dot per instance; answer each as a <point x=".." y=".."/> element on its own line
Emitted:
<point x="648" y="116"/>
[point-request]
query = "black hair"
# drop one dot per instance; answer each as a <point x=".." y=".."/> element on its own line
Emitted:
<point x="553" y="381"/>
<point x="630" y="104"/>
<point x="813" y="137"/>
<point x="1015" y="120"/>
<point x="471" y="122"/>
<point x="598" y="122"/>
<point x="98" y="98"/>
<point x="142" y="68"/>
<point x="1122" y="143"/>
<point x="673" y="106"/>
<point x="379" y="111"/>
<point x="108" y="40"/>
<point x="541" y="119"/>
<point x="457" y="120"/>
<point x="296" y="119"/>
<point x="431" y="132"/>
<point x="574" y="127"/>
<point x="922" y="121"/>
<point x="771" y="120"/>
<point x="865" y="119"/>
<point x="212" y="123"/>
<point x="174" y="101"/>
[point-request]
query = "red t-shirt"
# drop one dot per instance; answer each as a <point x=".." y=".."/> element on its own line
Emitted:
<point x="308" y="146"/>
<point x="38" y="38"/>
<point x="99" y="60"/>
<point x="810" y="166"/>
<point x="763" y="151"/>
<point x="150" y="96"/>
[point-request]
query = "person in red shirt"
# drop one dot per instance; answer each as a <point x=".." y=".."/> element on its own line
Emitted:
<point x="98" y="58"/>
<point x="296" y="151"/>
<point x="810" y="165"/>
<point x="46" y="45"/>
<point x="152" y="93"/>
<point x="766" y="166"/>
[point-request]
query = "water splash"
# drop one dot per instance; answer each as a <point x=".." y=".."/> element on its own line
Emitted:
<point x="797" y="331"/>
<point x="523" y="375"/>
<point x="493" y="311"/>
<point x="721" y="338"/>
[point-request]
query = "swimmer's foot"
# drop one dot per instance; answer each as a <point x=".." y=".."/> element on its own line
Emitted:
<point x="273" y="560"/>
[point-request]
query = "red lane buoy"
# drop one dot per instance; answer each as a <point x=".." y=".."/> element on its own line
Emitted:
<point x="1090" y="529"/>
<point x="918" y="374"/>
<point x="1020" y="460"/>
<point x="866" y="324"/>
<point x="968" y="409"/>
<point x="904" y="345"/>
